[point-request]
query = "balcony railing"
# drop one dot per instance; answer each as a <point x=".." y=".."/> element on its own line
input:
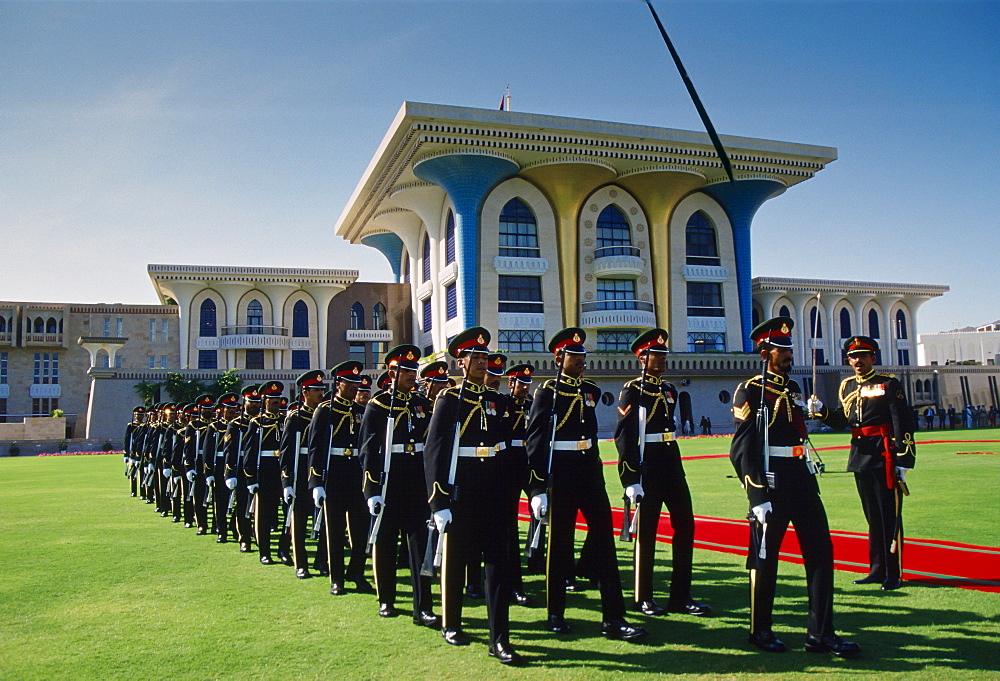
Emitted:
<point x="610" y="251"/>
<point x="603" y="305"/>
<point x="617" y="313"/>
<point x="43" y="338"/>
<point x="254" y="330"/>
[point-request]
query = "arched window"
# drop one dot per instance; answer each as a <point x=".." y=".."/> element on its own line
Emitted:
<point x="449" y="239"/>
<point x="357" y="316"/>
<point x="845" y="323"/>
<point x="701" y="243"/>
<point x="783" y="312"/>
<point x="427" y="259"/>
<point x="39" y="325"/>
<point x="50" y="325"/>
<point x="755" y="320"/>
<point x="255" y="317"/>
<point x="900" y="324"/>
<point x="873" y="330"/>
<point x="207" y="325"/>
<point x="3" y="325"/>
<point x="815" y="325"/>
<point x="406" y="268"/>
<point x="300" y="321"/>
<point x="379" y="320"/>
<point x="613" y="234"/>
<point x="518" y="231"/>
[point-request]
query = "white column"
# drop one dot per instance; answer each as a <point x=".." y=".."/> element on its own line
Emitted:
<point x="323" y="294"/>
<point x="801" y="335"/>
<point x="231" y="293"/>
<point x="183" y="292"/>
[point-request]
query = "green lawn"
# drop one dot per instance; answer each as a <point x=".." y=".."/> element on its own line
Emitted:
<point x="95" y="585"/>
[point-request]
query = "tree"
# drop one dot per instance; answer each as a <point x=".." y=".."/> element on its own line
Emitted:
<point x="227" y="382"/>
<point x="148" y="392"/>
<point x="183" y="390"/>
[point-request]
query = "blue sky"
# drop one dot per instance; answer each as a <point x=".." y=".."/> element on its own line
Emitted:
<point x="233" y="133"/>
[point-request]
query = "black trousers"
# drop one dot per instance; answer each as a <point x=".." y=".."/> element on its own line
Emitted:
<point x="480" y="519"/>
<point x="671" y="491"/>
<point x="198" y="506"/>
<point x="268" y="500"/>
<point x="805" y="511"/>
<point x="345" y="511"/>
<point x="578" y="485"/>
<point x="220" y="498"/>
<point x="242" y="527"/>
<point x="883" y="509"/>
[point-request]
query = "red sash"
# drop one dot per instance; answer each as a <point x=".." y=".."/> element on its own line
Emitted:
<point x="885" y="430"/>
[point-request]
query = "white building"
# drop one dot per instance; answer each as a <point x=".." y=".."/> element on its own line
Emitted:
<point x="980" y="344"/>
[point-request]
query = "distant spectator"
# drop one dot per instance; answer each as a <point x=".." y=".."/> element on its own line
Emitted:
<point x="929" y="418"/>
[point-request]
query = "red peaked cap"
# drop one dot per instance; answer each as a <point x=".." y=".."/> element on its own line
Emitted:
<point x="860" y="344"/>
<point x="569" y="340"/>
<point x="521" y="372"/>
<point x="776" y="332"/>
<point x="495" y="364"/>
<point x="474" y="339"/>
<point x="435" y="371"/>
<point x="654" y="340"/>
<point x="348" y="371"/>
<point x="404" y="357"/>
<point x="366" y="382"/>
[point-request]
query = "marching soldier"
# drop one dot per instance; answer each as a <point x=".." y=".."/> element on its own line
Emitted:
<point x="774" y="468"/>
<point x="154" y="458"/>
<point x="181" y="503"/>
<point x="194" y="469"/>
<point x="236" y="481"/>
<point x="263" y="474"/>
<point x="364" y="391"/>
<point x="435" y="379"/>
<point x="469" y="494"/>
<point x="561" y="440"/>
<point x="882" y="451"/>
<point x="393" y="482"/>
<point x="214" y="463"/>
<point x="650" y="469"/>
<point x="166" y="457"/>
<point x="132" y="432"/>
<point x="516" y="462"/>
<point x="295" y="465"/>
<point x="336" y="479"/>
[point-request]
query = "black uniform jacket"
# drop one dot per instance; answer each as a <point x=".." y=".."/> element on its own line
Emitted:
<point x="336" y="423"/>
<point x="412" y="413"/>
<point x="660" y="399"/>
<point x="263" y="435"/>
<point x="293" y="439"/>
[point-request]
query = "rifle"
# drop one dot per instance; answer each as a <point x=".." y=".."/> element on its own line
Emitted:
<point x="452" y="470"/>
<point x="762" y="427"/>
<point x="252" y="505"/>
<point x="318" y="517"/>
<point x="544" y="520"/>
<point x="295" y="481"/>
<point x="431" y="560"/>
<point x="390" y="426"/>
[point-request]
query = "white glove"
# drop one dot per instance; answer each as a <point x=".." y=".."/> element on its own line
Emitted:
<point x="190" y="476"/>
<point x="901" y="472"/>
<point x="634" y="493"/>
<point x="761" y="512"/>
<point x="289" y="493"/>
<point x="442" y="518"/>
<point x="166" y="472"/>
<point x="540" y="505"/>
<point x="814" y="405"/>
<point x="135" y="463"/>
<point x="209" y="480"/>
<point x="375" y="504"/>
<point x="319" y="494"/>
<point x="252" y="488"/>
<point x="126" y="460"/>
<point x="149" y="468"/>
<point x="231" y="483"/>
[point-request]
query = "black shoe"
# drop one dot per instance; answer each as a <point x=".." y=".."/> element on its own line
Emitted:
<point x="245" y="547"/>
<point x="870" y="579"/>
<point x="303" y="573"/>
<point x="362" y="586"/>
<point x="188" y="526"/>
<point x="164" y="514"/>
<point x="337" y="589"/>
<point x="574" y="586"/>
<point x="692" y="608"/>
<point x="221" y="540"/>
<point x="832" y="644"/>
<point x="892" y="584"/>
<point x="620" y="629"/>
<point x="521" y="598"/>
<point x="473" y="591"/>
<point x="267" y="560"/>
<point x="557" y="624"/>
<point x="201" y="531"/>
<point x="322" y="570"/>
<point x="767" y="641"/>
<point x="149" y="501"/>
<point x="175" y="520"/>
<point x="455" y="637"/>
<point x="286" y="559"/>
<point x="387" y="610"/>
<point x="426" y="618"/>
<point x="133" y="494"/>
<point x="650" y="608"/>
<point x="505" y="653"/>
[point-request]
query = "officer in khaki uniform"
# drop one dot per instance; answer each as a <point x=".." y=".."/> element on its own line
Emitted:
<point x="874" y="406"/>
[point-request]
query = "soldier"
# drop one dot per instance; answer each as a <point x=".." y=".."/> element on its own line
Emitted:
<point x="295" y="465"/>
<point x="561" y="440"/>
<point x="516" y="464"/>
<point x="214" y="463"/>
<point x="435" y="376"/>
<point x="233" y="446"/>
<point x="650" y="469"/>
<point x="469" y="493"/>
<point x="364" y="391"/>
<point x="335" y="477"/>
<point x="152" y="456"/>
<point x="194" y="459"/>
<point x="393" y="482"/>
<point x="773" y="466"/>
<point x="882" y="451"/>
<point x="131" y="459"/>
<point x="263" y="474"/>
<point x="175" y="415"/>
<point x="181" y="499"/>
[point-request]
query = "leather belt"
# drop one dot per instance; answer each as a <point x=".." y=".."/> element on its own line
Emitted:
<point x="795" y="452"/>
<point x="480" y="452"/>
<point x="660" y="437"/>
<point x="342" y="451"/>
<point x="411" y="448"/>
<point x="571" y="445"/>
<point x="885" y="431"/>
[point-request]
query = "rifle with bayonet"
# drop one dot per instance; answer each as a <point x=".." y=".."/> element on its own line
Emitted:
<point x="390" y="426"/>
<point x="554" y="416"/>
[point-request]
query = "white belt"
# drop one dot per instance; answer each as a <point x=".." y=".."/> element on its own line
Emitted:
<point x="571" y="445"/>
<point x="411" y="448"/>
<point x="303" y="450"/>
<point x="517" y="443"/>
<point x="270" y="452"/>
<point x="481" y="452"/>
<point x="660" y="437"/>
<point x="787" y="452"/>
<point x="344" y="451"/>
<point x="220" y="455"/>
